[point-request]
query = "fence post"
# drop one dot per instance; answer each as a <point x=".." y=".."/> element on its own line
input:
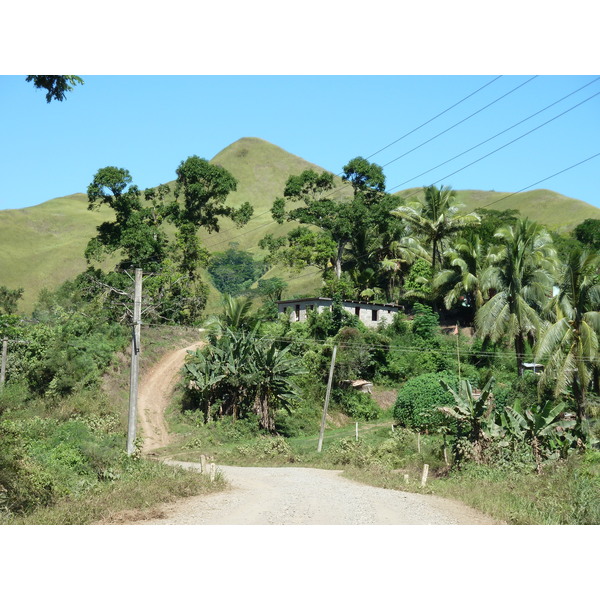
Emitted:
<point x="424" y="476"/>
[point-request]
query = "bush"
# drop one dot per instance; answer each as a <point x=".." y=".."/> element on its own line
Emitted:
<point x="418" y="399"/>
<point x="349" y="452"/>
<point x="265" y="447"/>
<point x="426" y="323"/>
<point x="358" y="405"/>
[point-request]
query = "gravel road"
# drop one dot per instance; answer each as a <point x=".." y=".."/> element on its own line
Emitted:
<point x="303" y="496"/>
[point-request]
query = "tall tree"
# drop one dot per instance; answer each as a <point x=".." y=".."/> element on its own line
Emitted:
<point x="9" y="299"/>
<point x="434" y="219"/>
<point x="519" y="279"/>
<point x="137" y="230"/>
<point x="459" y="282"/>
<point x="588" y="233"/>
<point x="570" y="345"/>
<point x="338" y="232"/>
<point x="318" y="208"/>
<point x="205" y="188"/>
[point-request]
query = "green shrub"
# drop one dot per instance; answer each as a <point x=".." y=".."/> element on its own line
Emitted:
<point x="418" y="399"/>
<point x="349" y="452"/>
<point x="265" y="447"/>
<point x="358" y="405"/>
<point x="426" y="323"/>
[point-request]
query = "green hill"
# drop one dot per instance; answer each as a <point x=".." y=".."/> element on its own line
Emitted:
<point x="43" y="246"/>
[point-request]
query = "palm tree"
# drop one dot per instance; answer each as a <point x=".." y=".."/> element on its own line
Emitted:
<point x="435" y="218"/>
<point x="519" y="278"/>
<point x="461" y="280"/>
<point x="570" y="345"/>
<point x="236" y="316"/>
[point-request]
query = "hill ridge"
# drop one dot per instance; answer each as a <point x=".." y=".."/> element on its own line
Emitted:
<point x="43" y="245"/>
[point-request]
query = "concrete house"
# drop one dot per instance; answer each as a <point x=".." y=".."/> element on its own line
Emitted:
<point x="370" y="313"/>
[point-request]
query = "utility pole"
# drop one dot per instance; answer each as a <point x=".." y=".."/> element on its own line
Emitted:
<point x="320" y="446"/>
<point x="135" y="352"/>
<point x="3" y="368"/>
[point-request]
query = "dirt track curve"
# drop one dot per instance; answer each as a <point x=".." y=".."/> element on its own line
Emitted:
<point x="283" y="496"/>
<point x="154" y="394"/>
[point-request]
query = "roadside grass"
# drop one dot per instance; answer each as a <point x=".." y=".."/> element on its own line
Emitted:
<point x="136" y="496"/>
<point x="63" y="461"/>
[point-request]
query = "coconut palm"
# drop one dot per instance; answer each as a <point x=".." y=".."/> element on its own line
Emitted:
<point x="570" y="345"/>
<point x="519" y="278"/>
<point x="434" y="219"/>
<point x="461" y="279"/>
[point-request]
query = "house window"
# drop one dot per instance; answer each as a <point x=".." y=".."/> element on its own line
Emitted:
<point x="374" y="315"/>
<point x="357" y="311"/>
<point x="297" y="312"/>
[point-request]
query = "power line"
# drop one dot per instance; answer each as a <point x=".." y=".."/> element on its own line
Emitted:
<point x="508" y="143"/>
<point x="466" y="151"/>
<point x="397" y="348"/>
<point x="403" y="137"/>
<point x="461" y="121"/>
<point x="500" y="133"/>
<point x="542" y="180"/>
<point x="434" y="118"/>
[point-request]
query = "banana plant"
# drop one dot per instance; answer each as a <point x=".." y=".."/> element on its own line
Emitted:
<point x="539" y="426"/>
<point x="476" y="413"/>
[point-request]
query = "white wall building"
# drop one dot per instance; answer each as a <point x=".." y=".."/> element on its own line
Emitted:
<point x="370" y="313"/>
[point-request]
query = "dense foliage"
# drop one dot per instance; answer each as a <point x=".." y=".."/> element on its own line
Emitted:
<point x="419" y="399"/>
<point x="234" y="271"/>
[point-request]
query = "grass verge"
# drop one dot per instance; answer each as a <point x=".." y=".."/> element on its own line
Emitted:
<point x="136" y="496"/>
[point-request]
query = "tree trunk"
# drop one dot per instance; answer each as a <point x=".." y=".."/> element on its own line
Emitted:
<point x="580" y="400"/>
<point x="265" y="416"/>
<point x="520" y="353"/>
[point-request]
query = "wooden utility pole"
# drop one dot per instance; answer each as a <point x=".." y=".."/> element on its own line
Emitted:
<point x="3" y="368"/>
<point x="135" y="352"/>
<point x="320" y="446"/>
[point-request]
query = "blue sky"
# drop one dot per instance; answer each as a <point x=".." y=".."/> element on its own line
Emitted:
<point x="149" y="124"/>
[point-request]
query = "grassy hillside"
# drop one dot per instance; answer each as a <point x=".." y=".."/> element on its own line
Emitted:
<point x="43" y="246"/>
<point x="553" y="210"/>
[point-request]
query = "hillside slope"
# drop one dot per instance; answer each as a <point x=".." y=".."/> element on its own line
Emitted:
<point x="42" y="246"/>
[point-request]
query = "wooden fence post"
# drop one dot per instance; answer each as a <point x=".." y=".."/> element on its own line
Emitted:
<point x="424" y="476"/>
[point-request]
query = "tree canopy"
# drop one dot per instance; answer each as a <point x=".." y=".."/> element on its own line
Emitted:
<point x="56" y="86"/>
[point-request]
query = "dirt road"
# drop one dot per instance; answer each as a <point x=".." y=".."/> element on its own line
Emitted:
<point x="283" y="496"/>
<point x="155" y="392"/>
<point x="301" y="496"/>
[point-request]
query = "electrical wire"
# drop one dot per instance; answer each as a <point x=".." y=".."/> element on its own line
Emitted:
<point x="499" y="134"/>
<point x="466" y="151"/>
<point x="387" y="347"/>
<point x="405" y="136"/>
<point x="509" y="143"/>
